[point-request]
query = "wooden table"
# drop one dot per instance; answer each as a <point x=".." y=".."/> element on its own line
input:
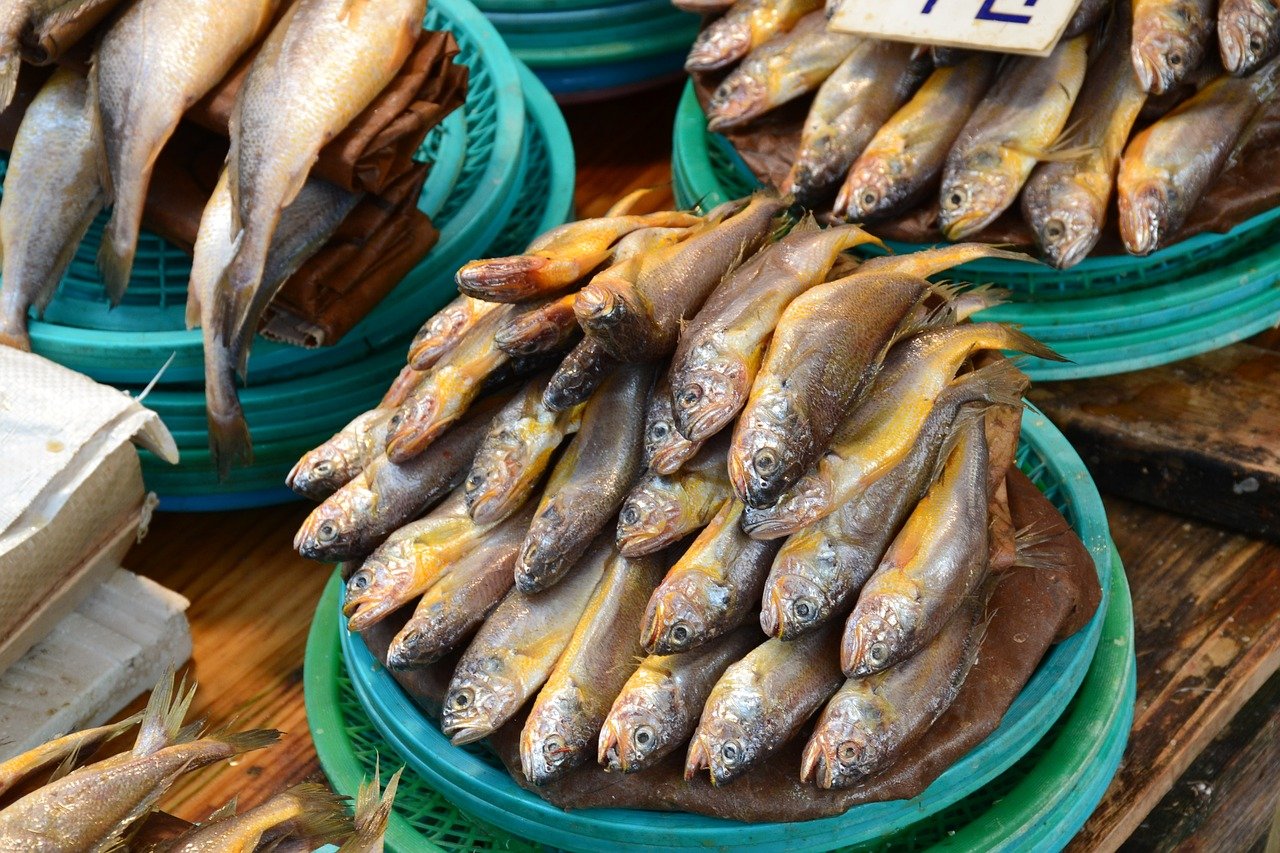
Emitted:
<point x="1199" y="771"/>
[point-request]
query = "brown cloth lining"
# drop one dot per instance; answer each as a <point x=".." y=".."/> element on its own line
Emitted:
<point x="1250" y="187"/>
<point x="1030" y="609"/>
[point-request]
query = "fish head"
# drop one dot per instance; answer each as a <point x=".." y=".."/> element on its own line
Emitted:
<point x="665" y="449"/>
<point x="719" y="44"/>
<point x="683" y="614"/>
<point x="650" y="517"/>
<point x="806" y="502"/>
<point x="639" y="730"/>
<point x="976" y="192"/>
<point x="1164" y="48"/>
<point x="707" y="398"/>
<point x="513" y="277"/>
<point x="769" y="444"/>
<point x="420" y="641"/>
<point x="845" y="747"/>
<point x="491" y="484"/>
<point x="882" y="627"/>
<point x="869" y="190"/>
<point x="1246" y="37"/>
<point x="543" y="557"/>
<point x="335" y="529"/>
<point x="375" y="590"/>
<point x="1144" y="215"/>
<point x="601" y="306"/>
<point x="741" y="97"/>
<point x="481" y="697"/>
<point x="321" y="472"/>
<point x="1067" y="220"/>
<point x="730" y="737"/>
<point x="554" y="738"/>
<point x="794" y="603"/>
<point x="437" y="332"/>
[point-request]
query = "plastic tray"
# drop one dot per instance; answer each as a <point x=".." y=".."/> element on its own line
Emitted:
<point x="618" y="44"/>
<point x="591" y="18"/>
<point x="490" y="794"/>
<point x="599" y="82"/>
<point x="1038" y="803"/>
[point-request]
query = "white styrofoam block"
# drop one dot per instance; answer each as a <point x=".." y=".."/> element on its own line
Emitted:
<point x="114" y="647"/>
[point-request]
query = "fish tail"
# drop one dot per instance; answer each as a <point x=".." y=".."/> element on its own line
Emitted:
<point x="1027" y="543"/>
<point x="10" y="65"/>
<point x="372" y="814"/>
<point x="1016" y="340"/>
<point x="321" y="814"/>
<point x="115" y="256"/>
<point x="246" y="741"/>
<point x="161" y="723"/>
<point x="230" y="442"/>
<point x="1001" y="383"/>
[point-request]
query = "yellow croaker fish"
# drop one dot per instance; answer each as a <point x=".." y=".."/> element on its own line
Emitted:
<point x="1170" y="40"/>
<point x="658" y="707"/>
<point x="338" y="461"/>
<point x="1248" y="34"/>
<point x="558" y="258"/>
<point x="321" y="66"/>
<point x="158" y="59"/>
<point x="858" y="98"/>
<point x="579" y="375"/>
<point x="406" y="565"/>
<point x="310" y="811"/>
<point x="544" y="327"/>
<point x="401" y="387"/>
<point x="448" y="390"/>
<point x="929" y="262"/>
<point x="461" y="597"/>
<point x="721" y="348"/>
<point x="1168" y="166"/>
<point x="516" y="648"/>
<point x="515" y="453"/>
<point x="664" y="508"/>
<point x="445" y="330"/>
<point x="564" y="724"/>
<point x="51" y="195"/>
<point x="1065" y="202"/>
<point x="711" y="590"/>
<point x="761" y="702"/>
<point x="780" y="70"/>
<point x="903" y="161"/>
<point x="14" y="770"/>
<point x="747" y="25"/>
<point x="935" y="563"/>
<point x="1016" y="124"/>
<point x="870" y="722"/>
<point x="665" y="449"/>
<point x="92" y="807"/>
<point x="879" y="432"/>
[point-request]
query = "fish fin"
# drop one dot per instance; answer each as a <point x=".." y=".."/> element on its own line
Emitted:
<point x="1028" y="541"/>
<point x="372" y="813"/>
<point x="246" y="741"/>
<point x="230" y="441"/>
<point x="807" y="225"/>
<point x="639" y="201"/>
<point x="162" y="719"/>
<point x="1002" y="383"/>
<point x="65" y="766"/>
<point x="116" y="266"/>
<point x="222" y="812"/>
<point x="116" y="839"/>
<point x="322" y="817"/>
<point x="16" y="338"/>
<point x="1009" y="338"/>
<point x="969" y="415"/>
<point x="10" y="65"/>
<point x="98" y="135"/>
<point x="68" y="12"/>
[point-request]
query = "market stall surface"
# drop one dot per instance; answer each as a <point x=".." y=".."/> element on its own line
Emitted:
<point x="1206" y="607"/>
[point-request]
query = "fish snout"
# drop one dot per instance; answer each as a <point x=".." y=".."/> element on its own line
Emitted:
<point x="740" y="98"/>
<point x="598" y="307"/>
<point x="511" y="278"/>
<point x="719" y="45"/>
<point x="647" y="523"/>
<point x="705" y="402"/>
<point x="871" y="645"/>
<point x="405" y="649"/>
<point x="1142" y="218"/>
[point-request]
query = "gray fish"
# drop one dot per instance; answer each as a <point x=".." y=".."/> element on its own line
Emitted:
<point x="579" y="375"/>
<point x="329" y="467"/>
<point x="747" y="25"/>
<point x="545" y="327"/>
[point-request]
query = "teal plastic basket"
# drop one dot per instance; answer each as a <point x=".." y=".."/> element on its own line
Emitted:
<point x="590" y="18"/>
<point x="484" y="790"/>
<point x="553" y="48"/>
<point x="289" y="417"/>
<point x="1037" y="804"/>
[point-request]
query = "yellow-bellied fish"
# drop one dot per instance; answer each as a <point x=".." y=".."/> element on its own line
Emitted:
<point x="1248" y="34"/>
<point x="1170" y="39"/>
<point x="747" y="25"/>
<point x="664" y="508"/>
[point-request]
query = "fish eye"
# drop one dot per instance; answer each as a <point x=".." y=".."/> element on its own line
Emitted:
<point x="878" y="653"/>
<point x="690" y="396"/>
<point x="804" y="608"/>
<point x="1255" y="44"/>
<point x="327" y="532"/>
<point x="643" y="736"/>
<point x="359" y="581"/>
<point x="765" y="461"/>
<point x="869" y="198"/>
<point x="955" y="198"/>
<point x="847" y="752"/>
<point x="461" y="699"/>
<point x="553" y="751"/>
<point x="679" y="634"/>
<point x="630" y="515"/>
<point x="659" y="431"/>
<point x="1054" y="228"/>
<point x="324" y="468"/>
<point x="1175" y="59"/>
<point x="396" y="419"/>
<point x="474" y="482"/>
<point x="731" y="752"/>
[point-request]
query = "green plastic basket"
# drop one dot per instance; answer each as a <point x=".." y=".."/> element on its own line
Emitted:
<point x="1038" y="803"/>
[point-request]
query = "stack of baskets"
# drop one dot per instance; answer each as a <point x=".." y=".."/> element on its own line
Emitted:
<point x="595" y="49"/>
<point x="1108" y="314"/>
<point x="1029" y="786"/>
<point x="503" y="171"/>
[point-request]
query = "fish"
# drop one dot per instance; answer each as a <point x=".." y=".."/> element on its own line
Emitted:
<point x="665" y="448"/>
<point x="460" y="598"/>
<point x="322" y="64"/>
<point x="16" y="18"/>
<point x="373" y="813"/>
<point x="662" y="509"/>
<point x="589" y="482"/>
<point x="329" y="467"/>
<point x="747" y="25"/>
<point x="52" y="193"/>
<point x="1016" y="124"/>
<point x="445" y="330"/>
<point x="880" y="432"/>
<point x="657" y="709"/>
<point x="641" y="320"/>
<point x="516" y="648"/>
<point x="306" y="224"/>
<point x="938" y="559"/>
<point x="579" y="375"/>
<point x="642" y="200"/>
<point x="384" y="497"/>
<point x="545" y="327"/>
<point x="863" y="93"/>
<point x="559" y="258"/>
<point x="871" y="721"/>
<point x="444" y="395"/>
<point x="65" y="748"/>
<point x="721" y="348"/>
<point x="564" y="724"/>
<point x="1248" y="34"/>
<point x="410" y="561"/>
<point x="820" y="569"/>
<point x="761" y="702"/>
<point x="1065" y="201"/>
<point x="711" y="589"/>
<point x="155" y="61"/>
<point x="780" y="70"/>
<point x="309" y="810"/>
<point x="826" y="344"/>
<point x="1088" y="15"/>
<point x="1170" y="40"/>
<point x="904" y="159"/>
<point x="515" y="452"/>
<point x="928" y="262"/>
<point x="1168" y="166"/>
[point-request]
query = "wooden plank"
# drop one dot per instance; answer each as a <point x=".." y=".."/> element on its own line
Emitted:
<point x="1199" y="437"/>
<point x="1207" y="621"/>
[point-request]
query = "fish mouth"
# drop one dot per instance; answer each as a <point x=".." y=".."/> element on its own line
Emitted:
<point x="814" y="765"/>
<point x="612" y="752"/>
<point x="718" y="46"/>
<point x="1141" y="222"/>
<point x="861" y="196"/>
<point x="736" y="102"/>
<point x="704" y="404"/>
<point x="651" y="634"/>
<point x="501" y="279"/>
<point x="964" y="223"/>
<point x="536" y="569"/>
<point x="461" y="733"/>
<point x="598" y="307"/>
<point x="807" y="503"/>
<point x="299" y="479"/>
<point x="365" y="612"/>
<point x="403" y="653"/>
<point x="1161" y="63"/>
<point x="1235" y="50"/>
<point x="414" y="433"/>
<point x="697" y="759"/>
<point x="650" y="529"/>
<point x="668" y="457"/>
<point x="868" y="649"/>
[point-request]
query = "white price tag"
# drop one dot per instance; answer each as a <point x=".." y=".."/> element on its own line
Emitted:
<point x="1010" y="26"/>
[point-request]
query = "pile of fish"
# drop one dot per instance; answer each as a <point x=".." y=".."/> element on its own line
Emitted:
<point x="88" y="143"/>
<point x="1132" y="104"/>
<point x="104" y="804"/>
<point x="765" y="481"/>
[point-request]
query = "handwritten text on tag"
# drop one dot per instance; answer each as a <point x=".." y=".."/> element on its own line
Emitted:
<point x="1010" y="26"/>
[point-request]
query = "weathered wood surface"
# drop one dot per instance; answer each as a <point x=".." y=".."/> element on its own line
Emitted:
<point x="1200" y="437"/>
